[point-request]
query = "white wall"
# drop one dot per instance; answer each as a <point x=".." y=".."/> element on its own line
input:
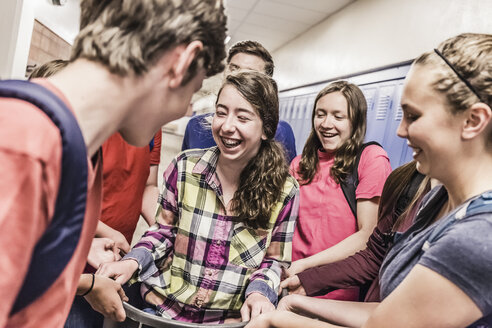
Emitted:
<point x="16" y="24"/>
<point x="373" y="33"/>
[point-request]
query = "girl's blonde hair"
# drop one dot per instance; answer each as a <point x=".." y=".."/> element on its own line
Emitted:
<point x="466" y="57"/>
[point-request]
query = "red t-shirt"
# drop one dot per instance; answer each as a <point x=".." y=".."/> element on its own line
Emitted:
<point x="125" y="170"/>
<point x="30" y="153"/>
<point x="325" y="217"/>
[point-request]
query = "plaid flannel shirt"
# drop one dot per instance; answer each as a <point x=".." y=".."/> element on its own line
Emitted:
<point x="201" y="267"/>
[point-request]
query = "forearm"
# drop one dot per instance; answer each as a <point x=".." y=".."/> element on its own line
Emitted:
<point x="103" y="230"/>
<point x="149" y="203"/>
<point x="344" y="313"/>
<point x="340" y="251"/>
<point x="355" y="270"/>
<point x="266" y="280"/>
<point x="150" y="196"/>
<point x="85" y="282"/>
<point x="284" y="319"/>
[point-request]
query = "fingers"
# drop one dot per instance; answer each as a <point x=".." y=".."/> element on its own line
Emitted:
<point x="245" y="310"/>
<point x="284" y="284"/>
<point x="104" y="270"/>
<point x="119" y="313"/>
<point x="284" y="274"/>
<point x="122" y="294"/>
<point x="113" y="248"/>
<point x="292" y="284"/>
<point x="122" y="279"/>
<point x="255" y="305"/>
<point x="116" y="256"/>
<point x="109" y="243"/>
<point x="255" y="310"/>
<point x="123" y="246"/>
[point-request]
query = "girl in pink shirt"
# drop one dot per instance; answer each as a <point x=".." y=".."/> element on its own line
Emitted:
<point x="327" y="230"/>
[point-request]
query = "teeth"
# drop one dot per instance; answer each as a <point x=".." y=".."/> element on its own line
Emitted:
<point x="229" y="143"/>
<point x="416" y="152"/>
<point x="328" y="135"/>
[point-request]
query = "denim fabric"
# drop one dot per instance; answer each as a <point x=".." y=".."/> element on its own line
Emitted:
<point x="83" y="316"/>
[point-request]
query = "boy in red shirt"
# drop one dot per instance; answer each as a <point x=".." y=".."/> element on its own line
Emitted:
<point x="134" y="67"/>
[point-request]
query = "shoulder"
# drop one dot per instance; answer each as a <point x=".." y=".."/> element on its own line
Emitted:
<point x="197" y="160"/>
<point x="158" y="137"/>
<point x="294" y="166"/>
<point x="290" y="189"/>
<point x="462" y="255"/>
<point x="193" y="155"/>
<point x="373" y="151"/>
<point x="285" y="126"/>
<point x="200" y="119"/>
<point x="374" y="157"/>
<point x="284" y="132"/>
<point x="295" y="162"/>
<point x="27" y="130"/>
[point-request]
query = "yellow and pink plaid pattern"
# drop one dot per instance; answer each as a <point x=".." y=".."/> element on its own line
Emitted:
<point x="203" y="263"/>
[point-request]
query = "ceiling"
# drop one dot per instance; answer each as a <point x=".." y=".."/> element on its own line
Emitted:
<point x="271" y="22"/>
<point x="274" y="23"/>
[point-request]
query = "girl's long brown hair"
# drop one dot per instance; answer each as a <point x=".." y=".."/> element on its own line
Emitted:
<point x="396" y="200"/>
<point x="346" y="154"/>
<point x="262" y="180"/>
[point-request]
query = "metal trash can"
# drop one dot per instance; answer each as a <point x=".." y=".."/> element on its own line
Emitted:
<point x="136" y="318"/>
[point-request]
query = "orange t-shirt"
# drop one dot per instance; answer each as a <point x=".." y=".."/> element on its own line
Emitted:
<point x="125" y="170"/>
<point x="30" y="153"/>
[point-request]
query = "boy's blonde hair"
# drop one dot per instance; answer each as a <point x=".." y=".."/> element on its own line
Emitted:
<point x="129" y="36"/>
<point x="48" y="69"/>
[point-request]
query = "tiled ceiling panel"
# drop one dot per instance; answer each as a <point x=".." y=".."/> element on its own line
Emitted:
<point x="275" y="22"/>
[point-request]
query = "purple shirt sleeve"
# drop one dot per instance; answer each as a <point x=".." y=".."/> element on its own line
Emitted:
<point x="355" y="270"/>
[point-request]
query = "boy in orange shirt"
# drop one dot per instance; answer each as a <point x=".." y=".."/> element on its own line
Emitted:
<point x="134" y="67"/>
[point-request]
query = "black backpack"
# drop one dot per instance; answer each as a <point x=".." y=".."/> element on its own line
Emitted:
<point x="55" y="248"/>
<point x="350" y="183"/>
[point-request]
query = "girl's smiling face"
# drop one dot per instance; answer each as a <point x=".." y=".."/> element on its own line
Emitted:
<point x="431" y="130"/>
<point x="236" y="127"/>
<point x="331" y="121"/>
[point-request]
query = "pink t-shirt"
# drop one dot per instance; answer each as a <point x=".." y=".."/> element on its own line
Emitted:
<point x="325" y="217"/>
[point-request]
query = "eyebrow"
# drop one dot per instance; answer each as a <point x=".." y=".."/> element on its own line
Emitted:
<point x="239" y="109"/>
<point x="405" y="107"/>
<point x="335" y="111"/>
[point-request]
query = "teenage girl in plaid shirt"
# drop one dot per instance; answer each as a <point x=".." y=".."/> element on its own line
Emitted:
<point x="226" y="217"/>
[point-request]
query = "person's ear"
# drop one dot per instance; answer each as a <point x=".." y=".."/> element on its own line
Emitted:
<point x="477" y="119"/>
<point x="263" y="136"/>
<point x="182" y="62"/>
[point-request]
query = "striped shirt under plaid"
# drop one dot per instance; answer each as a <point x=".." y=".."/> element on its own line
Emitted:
<point x="200" y="268"/>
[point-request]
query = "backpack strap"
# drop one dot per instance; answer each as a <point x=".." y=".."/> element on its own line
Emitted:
<point x="478" y="205"/>
<point x="56" y="246"/>
<point x="151" y="144"/>
<point x="349" y="185"/>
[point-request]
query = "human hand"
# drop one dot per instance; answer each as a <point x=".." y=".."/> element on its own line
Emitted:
<point x="254" y="305"/>
<point x="290" y="303"/>
<point x="120" y="271"/>
<point x="106" y="298"/>
<point x="293" y="285"/>
<point x="264" y="320"/>
<point x="119" y="240"/>
<point x="295" y="268"/>
<point x="102" y="250"/>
